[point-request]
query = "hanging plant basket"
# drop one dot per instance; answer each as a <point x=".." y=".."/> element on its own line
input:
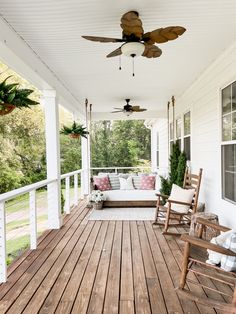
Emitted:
<point x="74" y="135"/>
<point x="75" y="130"/>
<point x="6" y="108"/>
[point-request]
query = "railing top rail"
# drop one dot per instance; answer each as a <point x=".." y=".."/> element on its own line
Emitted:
<point x="25" y="189"/>
<point x="138" y="167"/>
<point x="69" y="174"/>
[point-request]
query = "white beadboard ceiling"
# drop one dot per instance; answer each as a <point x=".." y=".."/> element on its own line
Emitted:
<point x="53" y="29"/>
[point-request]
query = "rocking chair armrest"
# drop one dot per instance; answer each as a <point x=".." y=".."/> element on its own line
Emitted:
<point x="207" y="245"/>
<point x="162" y="195"/>
<point x="179" y="202"/>
<point x="212" y="225"/>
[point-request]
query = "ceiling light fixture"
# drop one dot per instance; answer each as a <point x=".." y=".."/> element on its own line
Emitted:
<point x="133" y="49"/>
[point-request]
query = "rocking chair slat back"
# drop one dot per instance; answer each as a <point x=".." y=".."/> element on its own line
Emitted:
<point x="193" y="181"/>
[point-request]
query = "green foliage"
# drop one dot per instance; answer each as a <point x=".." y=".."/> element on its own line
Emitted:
<point x="177" y="170"/>
<point x="62" y="202"/>
<point x="181" y="169"/>
<point x="120" y="143"/>
<point x="12" y="94"/>
<point x="165" y="186"/>
<point x="75" y="129"/>
<point x="174" y="160"/>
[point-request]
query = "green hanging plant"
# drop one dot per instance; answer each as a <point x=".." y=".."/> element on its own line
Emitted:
<point x="75" y="131"/>
<point x="11" y="97"/>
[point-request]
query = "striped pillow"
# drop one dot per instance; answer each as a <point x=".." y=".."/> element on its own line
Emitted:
<point x="114" y="181"/>
<point x="136" y="182"/>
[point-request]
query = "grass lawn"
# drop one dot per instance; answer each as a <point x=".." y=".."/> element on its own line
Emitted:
<point x="22" y="223"/>
<point x="18" y="244"/>
<point x="22" y="202"/>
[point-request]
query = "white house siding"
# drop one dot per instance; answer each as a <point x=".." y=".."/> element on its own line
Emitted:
<point x="204" y="101"/>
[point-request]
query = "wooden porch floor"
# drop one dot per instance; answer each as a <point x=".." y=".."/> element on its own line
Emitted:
<point x="99" y="267"/>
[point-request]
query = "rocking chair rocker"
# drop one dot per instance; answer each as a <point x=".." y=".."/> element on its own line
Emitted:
<point x="166" y="216"/>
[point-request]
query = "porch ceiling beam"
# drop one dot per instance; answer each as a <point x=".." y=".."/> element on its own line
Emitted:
<point x="18" y="55"/>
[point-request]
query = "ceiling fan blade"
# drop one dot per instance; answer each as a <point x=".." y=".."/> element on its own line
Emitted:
<point x="116" y="111"/>
<point x="151" y="51"/>
<point x="141" y="110"/>
<point x="162" y="35"/>
<point x="103" y="39"/>
<point x="119" y="108"/>
<point x="115" y="53"/>
<point x="134" y="108"/>
<point x="131" y="25"/>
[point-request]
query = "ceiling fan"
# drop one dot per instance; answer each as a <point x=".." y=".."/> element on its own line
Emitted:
<point x="128" y="109"/>
<point x="135" y="41"/>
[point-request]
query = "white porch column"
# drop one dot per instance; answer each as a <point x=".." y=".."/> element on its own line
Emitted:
<point x="153" y="148"/>
<point x="51" y="109"/>
<point x="85" y="177"/>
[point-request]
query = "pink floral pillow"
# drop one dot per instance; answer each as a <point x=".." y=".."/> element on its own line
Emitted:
<point x="102" y="183"/>
<point x="147" y="182"/>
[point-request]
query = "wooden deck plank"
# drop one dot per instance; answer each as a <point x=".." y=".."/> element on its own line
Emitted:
<point x="142" y="304"/>
<point x="48" y="270"/>
<point x="99" y="267"/>
<point x="126" y="307"/>
<point x="126" y="284"/>
<point x="71" y="255"/>
<point x="171" y="299"/>
<point x="99" y="288"/>
<point x="82" y="299"/>
<point x="173" y="268"/>
<point x="111" y="302"/>
<point x="154" y="289"/>
<point x="67" y="300"/>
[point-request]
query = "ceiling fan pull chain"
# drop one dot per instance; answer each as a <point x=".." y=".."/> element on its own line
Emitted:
<point x="133" y="64"/>
<point x="119" y="62"/>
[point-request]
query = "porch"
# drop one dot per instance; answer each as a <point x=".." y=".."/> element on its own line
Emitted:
<point x="99" y="267"/>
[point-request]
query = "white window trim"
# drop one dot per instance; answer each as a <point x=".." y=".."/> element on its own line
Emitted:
<point x="224" y="143"/>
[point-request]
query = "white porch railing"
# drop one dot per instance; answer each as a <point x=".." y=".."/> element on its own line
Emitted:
<point x="31" y="191"/>
<point x="116" y="169"/>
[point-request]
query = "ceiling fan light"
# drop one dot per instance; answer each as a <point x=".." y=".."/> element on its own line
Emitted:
<point x="133" y="49"/>
<point x="128" y="113"/>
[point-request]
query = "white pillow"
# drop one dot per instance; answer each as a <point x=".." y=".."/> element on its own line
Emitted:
<point x="182" y="195"/>
<point x="126" y="184"/>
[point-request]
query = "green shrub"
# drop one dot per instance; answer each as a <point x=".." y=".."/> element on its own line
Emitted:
<point x="177" y="170"/>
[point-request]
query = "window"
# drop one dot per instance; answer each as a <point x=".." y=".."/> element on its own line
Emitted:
<point x="187" y="135"/>
<point x="171" y="136"/>
<point x="178" y="132"/>
<point x="158" y="161"/>
<point x="228" y="148"/>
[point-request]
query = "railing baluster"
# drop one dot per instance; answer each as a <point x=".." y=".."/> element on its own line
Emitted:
<point x="67" y="202"/>
<point x="33" y="220"/>
<point x="3" y="253"/>
<point x="76" y="189"/>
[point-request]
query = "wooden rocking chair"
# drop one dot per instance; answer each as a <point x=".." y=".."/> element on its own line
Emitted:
<point x="166" y="216"/>
<point x="219" y="286"/>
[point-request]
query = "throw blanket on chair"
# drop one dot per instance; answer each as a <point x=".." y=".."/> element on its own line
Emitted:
<point x="228" y="241"/>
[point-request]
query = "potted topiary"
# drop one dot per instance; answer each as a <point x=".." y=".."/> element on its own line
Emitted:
<point x="11" y="97"/>
<point x="75" y="131"/>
